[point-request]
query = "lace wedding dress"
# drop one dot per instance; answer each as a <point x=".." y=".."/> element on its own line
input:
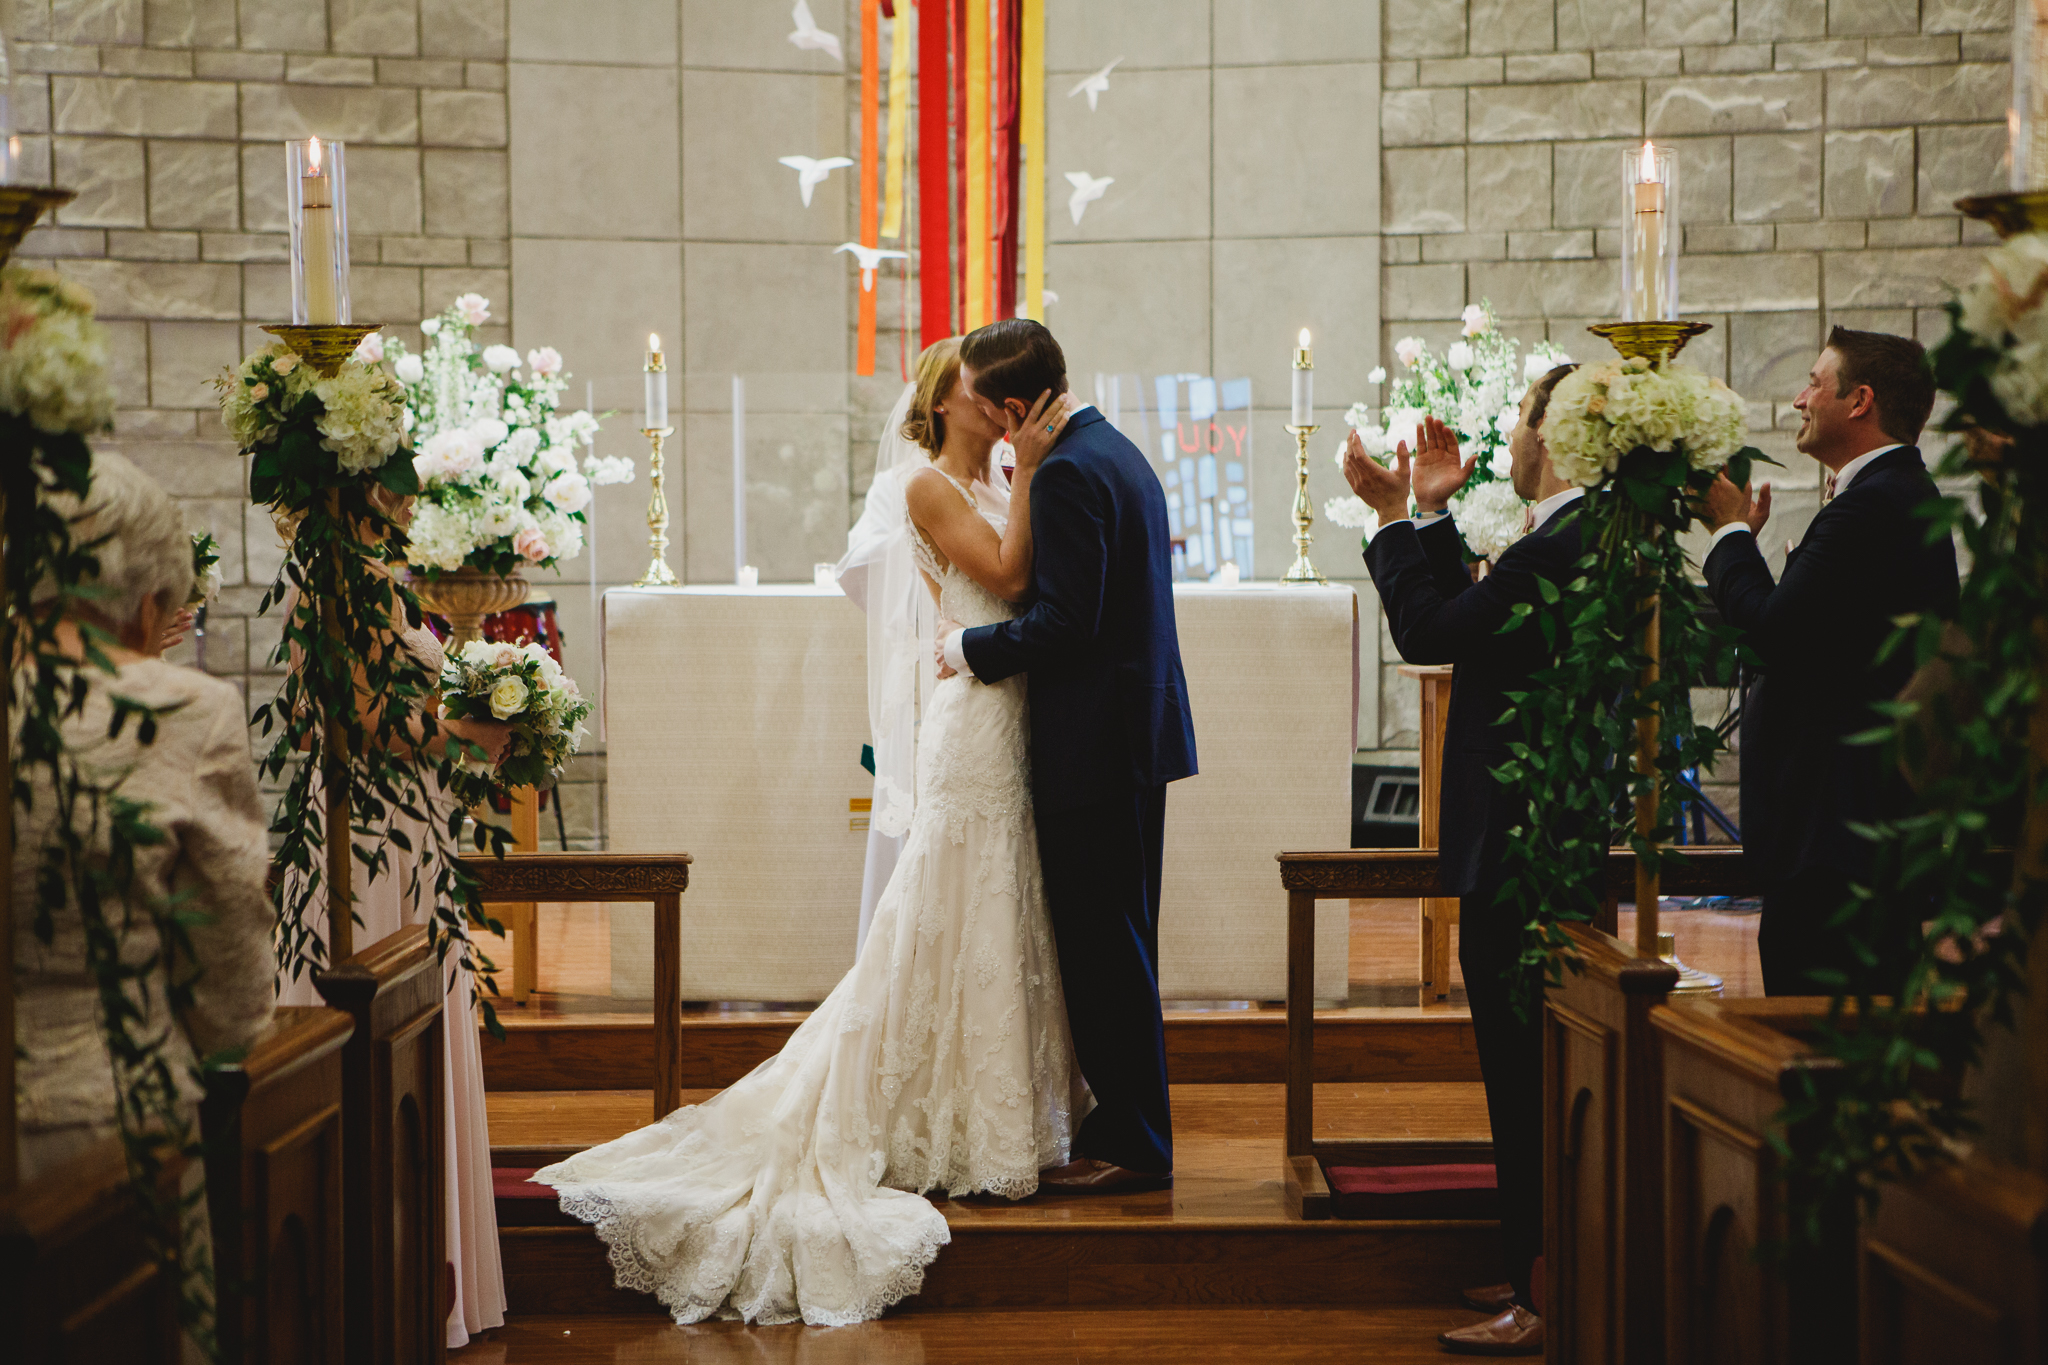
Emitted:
<point x="941" y="1061"/>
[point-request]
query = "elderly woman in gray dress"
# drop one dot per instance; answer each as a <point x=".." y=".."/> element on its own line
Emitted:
<point x="199" y="783"/>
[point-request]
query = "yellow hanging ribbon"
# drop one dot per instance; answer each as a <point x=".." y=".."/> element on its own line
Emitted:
<point x="1031" y="132"/>
<point x="899" y="121"/>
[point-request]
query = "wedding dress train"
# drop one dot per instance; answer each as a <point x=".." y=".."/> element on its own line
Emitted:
<point x="941" y="1061"/>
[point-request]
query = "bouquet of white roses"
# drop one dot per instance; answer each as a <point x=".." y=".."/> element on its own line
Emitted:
<point x="206" y="575"/>
<point x="53" y="356"/>
<point x="1475" y="388"/>
<point x="1601" y="414"/>
<point x="524" y="685"/>
<point x="500" y="485"/>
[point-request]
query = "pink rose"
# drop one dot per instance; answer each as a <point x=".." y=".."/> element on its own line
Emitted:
<point x="285" y="364"/>
<point x="259" y="393"/>
<point x="532" y="544"/>
<point x="475" y="309"/>
<point x="545" y="362"/>
<point x="372" y="349"/>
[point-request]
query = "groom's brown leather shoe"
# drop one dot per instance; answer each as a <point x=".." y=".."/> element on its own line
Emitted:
<point x="1086" y="1175"/>
<point x="1492" y="1298"/>
<point x="1517" y="1332"/>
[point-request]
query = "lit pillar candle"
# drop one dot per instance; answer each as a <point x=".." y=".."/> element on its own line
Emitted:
<point x="1649" y="245"/>
<point x="1304" y="384"/>
<point x="657" y="385"/>
<point x="317" y="240"/>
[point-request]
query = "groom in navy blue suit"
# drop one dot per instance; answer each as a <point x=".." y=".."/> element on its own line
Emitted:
<point x="1110" y="728"/>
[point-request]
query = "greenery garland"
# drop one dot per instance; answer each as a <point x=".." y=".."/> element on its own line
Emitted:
<point x="328" y="457"/>
<point x="1933" y="910"/>
<point x="53" y="391"/>
<point x="1645" y="440"/>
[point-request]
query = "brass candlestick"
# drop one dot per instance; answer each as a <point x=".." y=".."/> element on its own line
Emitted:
<point x="1650" y="340"/>
<point x="1304" y="514"/>
<point x="659" y="574"/>
<point x="326" y="347"/>
<point x="1691" y="980"/>
<point x="20" y="208"/>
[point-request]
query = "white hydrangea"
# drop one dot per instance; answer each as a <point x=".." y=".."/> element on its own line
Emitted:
<point x="362" y="422"/>
<point x="53" y="359"/>
<point x="606" y="469"/>
<point x="442" y="535"/>
<point x="449" y="457"/>
<point x="521" y="445"/>
<point x="1599" y="413"/>
<point x="1489" y="517"/>
<point x="1350" y="513"/>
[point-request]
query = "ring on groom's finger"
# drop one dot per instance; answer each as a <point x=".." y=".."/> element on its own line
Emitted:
<point x="1048" y="426"/>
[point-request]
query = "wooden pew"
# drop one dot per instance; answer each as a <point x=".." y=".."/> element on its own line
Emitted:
<point x="1728" y="1068"/>
<point x="394" y="1126"/>
<point x="1954" y="1266"/>
<point x="273" y="1127"/>
<point x="1397" y="874"/>
<point x="78" y="1279"/>
<point x="525" y="878"/>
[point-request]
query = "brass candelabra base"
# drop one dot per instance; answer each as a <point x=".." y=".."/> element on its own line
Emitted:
<point x="326" y="347"/>
<point x="659" y="574"/>
<point x="21" y="207"/>
<point x="1303" y="572"/>
<point x="1691" y="980"/>
<point x="1649" y="340"/>
<point x="2008" y="214"/>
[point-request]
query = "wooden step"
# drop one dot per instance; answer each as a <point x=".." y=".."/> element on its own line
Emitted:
<point x="1203" y="1047"/>
<point x="1222" y="1235"/>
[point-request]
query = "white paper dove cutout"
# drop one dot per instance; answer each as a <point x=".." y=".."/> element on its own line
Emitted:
<point x="870" y="258"/>
<point x="811" y="172"/>
<point x="1094" y="85"/>
<point x="812" y="38"/>
<point x="1087" y="189"/>
<point x="1049" y="296"/>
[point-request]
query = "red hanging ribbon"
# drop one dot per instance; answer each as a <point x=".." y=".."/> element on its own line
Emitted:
<point x="934" y="197"/>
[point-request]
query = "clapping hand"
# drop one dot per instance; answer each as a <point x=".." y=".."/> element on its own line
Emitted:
<point x="1382" y="489"/>
<point x="1725" y="504"/>
<point x="1438" y="472"/>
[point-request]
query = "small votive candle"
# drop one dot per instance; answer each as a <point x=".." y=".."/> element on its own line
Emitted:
<point x="657" y="385"/>
<point x="750" y="577"/>
<point x="1227" y="576"/>
<point x="825" y="575"/>
<point x="1304" y="384"/>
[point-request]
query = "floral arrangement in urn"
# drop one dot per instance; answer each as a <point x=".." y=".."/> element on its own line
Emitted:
<point x="500" y="484"/>
<point x="521" y="684"/>
<point x="1475" y="388"/>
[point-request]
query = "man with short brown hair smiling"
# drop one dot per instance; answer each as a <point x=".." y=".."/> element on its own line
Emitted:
<point x="1864" y="561"/>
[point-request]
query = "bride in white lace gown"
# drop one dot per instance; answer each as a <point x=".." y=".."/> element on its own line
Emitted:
<point x="942" y="1060"/>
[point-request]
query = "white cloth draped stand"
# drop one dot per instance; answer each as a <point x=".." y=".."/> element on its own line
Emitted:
<point x="736" y="718"/>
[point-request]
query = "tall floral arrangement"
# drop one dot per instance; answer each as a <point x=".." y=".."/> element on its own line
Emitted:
<point x="1941" y="914"/>
<point x="54" y="393"/>
<point x="1644" y="440"/>
<point x="1475" y="388"/>
<point x="501" y="487"/>
<point x="329" y="457"/>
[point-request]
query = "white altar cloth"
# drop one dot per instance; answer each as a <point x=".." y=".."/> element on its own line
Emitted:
<point x="736" y="718"/>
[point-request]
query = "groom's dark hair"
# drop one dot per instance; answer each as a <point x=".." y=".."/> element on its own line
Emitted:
<point x="1014" y="358"/>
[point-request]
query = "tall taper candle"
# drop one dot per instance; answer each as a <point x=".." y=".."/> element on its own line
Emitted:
<point x="1304" y="384"/>
<point x="316" y="206"/>
<point x="657" y="385"/>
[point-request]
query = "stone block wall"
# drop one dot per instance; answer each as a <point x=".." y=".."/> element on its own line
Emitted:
<point x="1820" y="146"/>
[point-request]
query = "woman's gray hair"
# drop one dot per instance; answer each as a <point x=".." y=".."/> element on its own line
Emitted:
<point x="144" y="549"/>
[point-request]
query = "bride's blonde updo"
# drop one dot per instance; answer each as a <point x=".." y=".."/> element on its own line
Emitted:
<point x="925" y="425"/>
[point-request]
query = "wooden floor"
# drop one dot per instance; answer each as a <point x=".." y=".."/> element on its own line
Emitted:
<point x="1169" y="1336"/>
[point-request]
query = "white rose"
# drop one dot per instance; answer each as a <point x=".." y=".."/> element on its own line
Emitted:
<point x="568" y="491"/>
<point x="1459" y="357"/>
<point x="410" y="369"/>
<point x="490" y="432"/>
<point x="430" y="326"/>
<point x="499" y="359"/>
<point x="508" y="698"/>
<point x="1378" y="375"/>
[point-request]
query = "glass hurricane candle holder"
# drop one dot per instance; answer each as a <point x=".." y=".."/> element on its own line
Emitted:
<point x="316" y="202"/>
<point x="2027" y="119"/>
<point x="1649" y="234"/>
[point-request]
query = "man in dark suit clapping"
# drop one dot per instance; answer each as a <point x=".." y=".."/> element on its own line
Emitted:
<point x="1438" y="615"/>
<point x="1863" y="561"/>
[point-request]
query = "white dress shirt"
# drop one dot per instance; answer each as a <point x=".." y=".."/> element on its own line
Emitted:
<point x="956" y="656"/>
<point x="1552" y="505"/>
<point x="1842" y="477"/>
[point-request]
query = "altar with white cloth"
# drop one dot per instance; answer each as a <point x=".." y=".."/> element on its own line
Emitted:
<point x="736" y="717"/>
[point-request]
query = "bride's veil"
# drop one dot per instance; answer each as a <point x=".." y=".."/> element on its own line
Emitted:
<point x="880" y="575"/>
